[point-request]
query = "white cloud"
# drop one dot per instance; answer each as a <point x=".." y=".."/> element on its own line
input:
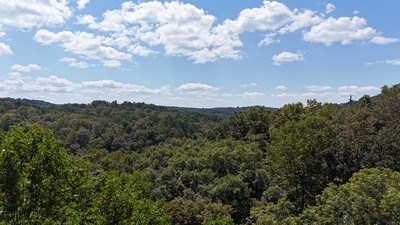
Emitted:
<point x="270" y="16"/>
<point x="354" y="88"/>
<point x="196" y="87"/>
<point x="111" y="63"/>
<point x="252" y="95"/>
<point x="372" y="63"/>
<point x="267" y="18"/>
<point x="281" y="87"/>
<point x="119" y="87"/>
<point x="383" y="40"/>
<point x="5" y="49"/>
<point x="41" y="84"/>
<point x="330" y="8"/>
<point x="301" y="20"/>
<point x="284" y="57"/>
<point x="393" y="61"/>
<point x="388" y="61"/>
<point x="82" y="3"/>
<point x="269" y="39"/>
<point x="184" y="30"/>
<point x="26" y="69"/>
<point x="25" y="14"/>
<point x="75" y="63"/>
<point x="2" y="33"/>
<point x="318" y="88"/>
<point x="344" y="30"/>
<point x="56" y="84"/>
<point x="252" y="84"/>
<point x="199" y="90"/>
<point x="140" y="50"/>
<point x="187" y="31"/>
<point x="203" y="56"/>
<point x="85" y="44"/>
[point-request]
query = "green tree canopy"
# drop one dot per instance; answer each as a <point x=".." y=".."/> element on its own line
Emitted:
<point x="372" y="196"/>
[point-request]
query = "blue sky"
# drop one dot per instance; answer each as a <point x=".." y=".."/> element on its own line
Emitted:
<point x="198" y="53"/>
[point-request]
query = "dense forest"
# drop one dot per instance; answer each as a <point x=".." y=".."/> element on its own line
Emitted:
<point x="135" y="163"/>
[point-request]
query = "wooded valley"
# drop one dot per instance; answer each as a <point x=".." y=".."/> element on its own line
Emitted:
<point x="135" y="163"/>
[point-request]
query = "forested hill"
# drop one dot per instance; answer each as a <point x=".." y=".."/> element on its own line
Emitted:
<point x="217" y="113"/>
<point x="106" y="125"/>
<point x="112" y="126"/>
<point x="134" y="163"/>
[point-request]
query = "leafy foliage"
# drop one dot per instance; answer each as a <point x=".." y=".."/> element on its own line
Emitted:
<point x="297" y="158"/>
<point x="42" y="184"/>
<point x="372" y="196"/>
<point x="35" y="175"/>
<point x="133" y="163"/>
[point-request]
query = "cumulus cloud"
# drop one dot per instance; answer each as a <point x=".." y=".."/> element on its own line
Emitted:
<point x="318" y="88"/>
<point x="393" y="62"/>
<point x="140" y="50"/>
<point x="25" y="69"/>
<point x="5" y="49"/>
<point x="87" y="45"/>
<point x="344" y="30"/>
<point x="330" y="8"/>
<point x="269" y="39"/>
<point x="196" y="87"/>
<point x="41" y="84"/>
<point x="82" y="3"/>
<point x="301" y="20"/>
<point x="281" y="87"/>
<point x="25" y="14"/>
<point x="252" y="84"/>
<point x="111" y="63"/>
<point x="252" y="95"/>
<point x="56" y="84"/>
<point x="383" y="40"/>
<point x="75" y="63"/>
<point x="199" y="90"/>
<point x="184" y="30"/>
<point x="120" y="87"/>
<point x="270" y="16"/>
<point x="284" y="57"/>
<point x="354" y="88"/>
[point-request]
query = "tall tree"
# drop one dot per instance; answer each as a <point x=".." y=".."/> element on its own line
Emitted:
<point x="35" y="172"/>
<point x="296" y="158"/>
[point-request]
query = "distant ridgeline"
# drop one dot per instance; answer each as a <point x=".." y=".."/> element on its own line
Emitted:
<point x="28" y="102"/>
<point x="112" y="126"/>
<point x="136" y="163"/>
<point x="220" y="113"/>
